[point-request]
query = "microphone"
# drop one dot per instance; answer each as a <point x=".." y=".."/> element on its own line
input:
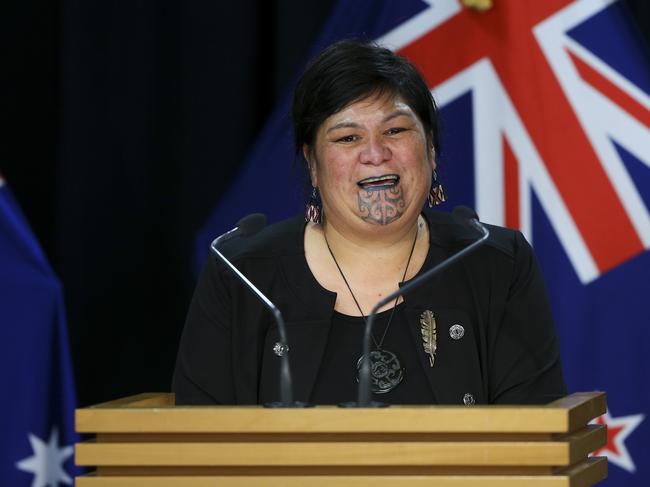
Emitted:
<point x="246" y="227"/>
<point x="464" y="215"/>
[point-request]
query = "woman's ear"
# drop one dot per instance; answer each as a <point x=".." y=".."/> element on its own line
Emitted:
<point x="311" y="164"/>
<point x="432" y="157"/>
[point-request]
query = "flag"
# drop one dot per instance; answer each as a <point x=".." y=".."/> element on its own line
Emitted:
<point x="545" y="110"/>
<point x="37" y="401"/>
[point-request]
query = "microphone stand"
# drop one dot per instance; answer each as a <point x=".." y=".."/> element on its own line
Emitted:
<point x="286" y="388"/>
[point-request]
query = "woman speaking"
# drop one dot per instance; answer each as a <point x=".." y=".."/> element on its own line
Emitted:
<point x="366" y="126"/>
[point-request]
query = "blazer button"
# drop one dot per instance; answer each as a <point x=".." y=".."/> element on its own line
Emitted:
<point x="468" y="400"/>
<point x="280" y="349"/>
<point x="456" y="332"/>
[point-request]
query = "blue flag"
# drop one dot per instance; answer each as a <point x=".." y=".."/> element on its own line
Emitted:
<point x="37" y="405"/>
<point x="545" y="110"/>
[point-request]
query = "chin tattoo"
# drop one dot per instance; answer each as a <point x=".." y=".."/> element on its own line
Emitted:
<point x="381" y="206"/>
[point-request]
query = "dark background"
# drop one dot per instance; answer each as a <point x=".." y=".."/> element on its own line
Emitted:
<point x="121" y="123"/>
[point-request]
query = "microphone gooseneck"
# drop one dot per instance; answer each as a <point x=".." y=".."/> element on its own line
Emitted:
<point x="247" y="227"/>
<point x="465" y="216"/>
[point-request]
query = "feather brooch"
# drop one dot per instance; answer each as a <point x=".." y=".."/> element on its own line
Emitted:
<point x="429" y="336"/>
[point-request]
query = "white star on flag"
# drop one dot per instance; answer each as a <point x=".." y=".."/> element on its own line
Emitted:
<point x="47" y="462"/>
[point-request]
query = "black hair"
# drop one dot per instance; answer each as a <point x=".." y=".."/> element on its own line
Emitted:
<point x="349" y="71"/>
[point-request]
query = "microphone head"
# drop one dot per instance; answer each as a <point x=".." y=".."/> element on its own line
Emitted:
<point x="251" y="224"/>
<point x="463" y="214"/>
<point x="467" y="216"/>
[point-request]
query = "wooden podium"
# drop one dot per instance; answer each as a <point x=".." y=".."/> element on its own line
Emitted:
<point x="146" y="440"/>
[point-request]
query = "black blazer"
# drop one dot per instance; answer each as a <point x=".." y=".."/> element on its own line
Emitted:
<point x="509" y="352"/>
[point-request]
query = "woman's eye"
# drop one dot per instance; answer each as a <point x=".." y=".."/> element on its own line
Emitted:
<point x="347" y="138"/>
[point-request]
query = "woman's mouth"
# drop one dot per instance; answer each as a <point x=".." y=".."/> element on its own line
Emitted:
<point x="375" y="183"/>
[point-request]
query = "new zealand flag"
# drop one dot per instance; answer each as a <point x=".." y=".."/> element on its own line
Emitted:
<point x="546" y="128"/>
<point x="37" y="404"/>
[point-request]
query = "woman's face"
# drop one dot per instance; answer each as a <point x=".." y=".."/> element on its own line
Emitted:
<point x="372" y="164"/>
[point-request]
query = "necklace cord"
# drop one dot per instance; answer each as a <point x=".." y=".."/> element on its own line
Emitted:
<point x="363" y="315"/>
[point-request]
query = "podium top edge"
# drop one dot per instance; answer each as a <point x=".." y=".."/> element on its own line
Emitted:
<point x="167" y="400"/>
<point x="156" y="413"/>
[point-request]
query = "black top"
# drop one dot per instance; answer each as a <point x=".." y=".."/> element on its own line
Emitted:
<point x="509" y="351"/>
<point x="337" y="380"/>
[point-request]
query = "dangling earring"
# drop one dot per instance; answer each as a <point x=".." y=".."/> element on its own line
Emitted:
<point x="436" y="194"/>
<point x="314" y="207"/>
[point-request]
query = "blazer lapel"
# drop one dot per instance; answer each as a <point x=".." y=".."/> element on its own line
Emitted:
<point x="308" y="326"/>
<point x="456" y="368"/>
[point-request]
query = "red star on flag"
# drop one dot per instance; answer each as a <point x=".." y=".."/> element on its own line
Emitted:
<point x="618" y="429"/>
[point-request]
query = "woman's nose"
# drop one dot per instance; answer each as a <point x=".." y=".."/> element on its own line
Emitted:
<point x="375" y="152"/>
